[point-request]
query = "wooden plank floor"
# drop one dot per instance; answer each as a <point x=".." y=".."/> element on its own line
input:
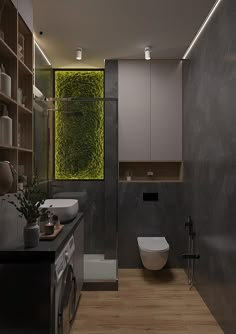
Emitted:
<point x="146" y="303"/>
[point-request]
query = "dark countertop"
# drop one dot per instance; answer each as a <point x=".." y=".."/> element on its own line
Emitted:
<point x="46" y="251"/>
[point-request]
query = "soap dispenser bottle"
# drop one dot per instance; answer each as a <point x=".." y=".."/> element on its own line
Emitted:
<point x="5" y="127"/>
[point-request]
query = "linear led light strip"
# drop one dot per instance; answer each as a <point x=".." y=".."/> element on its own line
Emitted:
<point x="202" y="27"/>
<point x="45" y="57"/>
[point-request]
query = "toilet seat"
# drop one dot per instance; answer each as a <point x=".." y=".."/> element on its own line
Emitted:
<point x="150" y="244"/>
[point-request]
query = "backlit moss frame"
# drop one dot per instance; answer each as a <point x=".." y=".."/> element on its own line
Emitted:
<point x="79" y="136"/>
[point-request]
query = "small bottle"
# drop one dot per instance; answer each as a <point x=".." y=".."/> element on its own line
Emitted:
<point x="5" y="127"/>
<point x="56" y="221"/>
<point x="5" y="81"/>
<point x="128" y="175"/>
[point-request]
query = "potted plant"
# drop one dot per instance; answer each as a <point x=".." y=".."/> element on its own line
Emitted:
<point x="28" y="202"/>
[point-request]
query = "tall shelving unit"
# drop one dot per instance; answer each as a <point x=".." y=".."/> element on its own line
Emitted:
<point x="20" y="69"/>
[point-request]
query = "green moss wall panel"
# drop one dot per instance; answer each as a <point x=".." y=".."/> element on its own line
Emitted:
<point x="79" y="126"/>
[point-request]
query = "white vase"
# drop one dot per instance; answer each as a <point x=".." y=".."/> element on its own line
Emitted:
<point x="6" y="177"/>
<point x="31" y="235"/>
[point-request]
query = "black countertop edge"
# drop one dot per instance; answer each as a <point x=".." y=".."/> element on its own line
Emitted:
<point x="46" y="251"/>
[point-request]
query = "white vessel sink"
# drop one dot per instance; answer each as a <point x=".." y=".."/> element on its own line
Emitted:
<point x="65" y="209"/>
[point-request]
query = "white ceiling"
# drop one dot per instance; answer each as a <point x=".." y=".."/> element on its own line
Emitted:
<point x="116" y="29"/>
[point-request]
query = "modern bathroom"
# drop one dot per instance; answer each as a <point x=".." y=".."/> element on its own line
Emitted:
<point x="117" y="166"/>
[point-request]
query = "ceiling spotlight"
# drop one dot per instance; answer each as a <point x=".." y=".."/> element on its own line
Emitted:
<point x="147" y="52"/>
<point x="78" y="53"/>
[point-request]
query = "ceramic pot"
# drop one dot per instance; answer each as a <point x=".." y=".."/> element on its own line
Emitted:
<point x="6" y="177"/>
<point x="31" y="235"/>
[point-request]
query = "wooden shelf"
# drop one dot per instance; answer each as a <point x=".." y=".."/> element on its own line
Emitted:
<point x="7" y="99"/>
<point x="22" y="149"/>
<point x="25" y="32"/>
<point x="150" y="181"/>
<point x="151" y="171"/>
<point x="6" y="51"/>
<point x="24" y="110"/>
<point x="23" y="69"/>
<point x="25" y="82"/>
<point x="21" y="73"/>
<point x="8" y="25"/>
<point x="8" y="147"/>
<point x="25" y="130"/>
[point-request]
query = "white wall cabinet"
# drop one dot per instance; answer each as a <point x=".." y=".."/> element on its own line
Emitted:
<point x="166" y="111"/>
<point x="150" y="110"/>
<point x="134" y="110"/>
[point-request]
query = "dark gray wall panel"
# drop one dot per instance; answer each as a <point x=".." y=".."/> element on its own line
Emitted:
<point x="210" y="160"/>
<point x="8" y="221"/>
<point x="94" y="210"/>
<point x="138" y="218"/>
<point x="111" y="158"/>
<point x="111" y="79"/>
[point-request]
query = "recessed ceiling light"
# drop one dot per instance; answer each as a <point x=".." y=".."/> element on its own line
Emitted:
<point x="78" y="53"/>
<point x="201" y="29"/>
<point x="147" y="53"/>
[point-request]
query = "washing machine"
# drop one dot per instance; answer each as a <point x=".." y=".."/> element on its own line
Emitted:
<point x="66" y="295"/>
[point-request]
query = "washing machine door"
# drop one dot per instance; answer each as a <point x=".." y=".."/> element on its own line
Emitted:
<point x="67" y="301"/>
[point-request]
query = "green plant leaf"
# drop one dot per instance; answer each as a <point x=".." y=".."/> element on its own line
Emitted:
<point x="79" y="137"/>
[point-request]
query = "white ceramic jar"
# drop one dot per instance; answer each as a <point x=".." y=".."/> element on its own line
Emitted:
<point x="5" y="128"/>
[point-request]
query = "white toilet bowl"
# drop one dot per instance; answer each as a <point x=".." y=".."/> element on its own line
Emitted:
<point x="154" y="252"/>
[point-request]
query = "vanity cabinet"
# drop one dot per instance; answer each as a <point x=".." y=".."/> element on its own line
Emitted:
<point x="150" y="117"/>
<point x="32" y="298"/>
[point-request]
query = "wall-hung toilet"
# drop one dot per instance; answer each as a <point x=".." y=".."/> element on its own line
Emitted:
<point x="154" y="252"/>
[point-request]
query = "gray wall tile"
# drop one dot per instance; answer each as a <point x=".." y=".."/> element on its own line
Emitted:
<point x="135" y="217"/>
<point x="94" y="210"/>
<point x="139" y="218"/>
<point x="209" y="138"/>
<point x="11" y="225"/>
<point x="8" y="221"/>
<point x="111" y="158"/>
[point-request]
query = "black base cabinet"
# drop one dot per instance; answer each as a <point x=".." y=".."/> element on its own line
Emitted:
<point x="26" y="291"/>
<point x="28" y="288"/>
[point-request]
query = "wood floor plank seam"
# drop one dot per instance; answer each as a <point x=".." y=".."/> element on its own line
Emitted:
<point x="146" y="303"/>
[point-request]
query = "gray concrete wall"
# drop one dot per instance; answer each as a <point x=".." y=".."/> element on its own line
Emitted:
<point x="101" y="196"/>
<point x="138" y="218"/>
<point x="111" y="158"/>
<point x="93" y="206"/>
<point x="162" y="218"/>
<point x="209" y="138"/>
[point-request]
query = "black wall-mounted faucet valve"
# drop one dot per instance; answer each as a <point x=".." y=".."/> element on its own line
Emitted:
<point x="191" y="256"/>
<point x="192" y="234"/>
<point x="189" y="223"/>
